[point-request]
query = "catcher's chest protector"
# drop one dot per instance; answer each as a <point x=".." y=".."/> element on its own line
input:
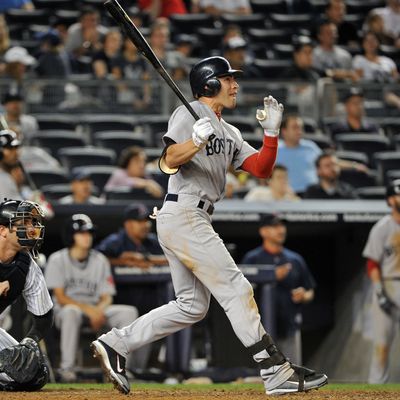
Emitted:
<point x="15" y="273"/>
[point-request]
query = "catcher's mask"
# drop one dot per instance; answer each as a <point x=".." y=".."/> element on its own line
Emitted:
<point x="25" y="218"/>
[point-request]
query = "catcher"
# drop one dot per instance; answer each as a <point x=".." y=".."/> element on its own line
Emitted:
<point x="22" y="366"/>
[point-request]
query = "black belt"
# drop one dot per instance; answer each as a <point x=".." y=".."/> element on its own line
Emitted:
<point x="201" y="204"/>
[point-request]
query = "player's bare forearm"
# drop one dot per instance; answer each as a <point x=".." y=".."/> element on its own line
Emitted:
<point x="180" y="153"/>
<point x="105" y="301"/>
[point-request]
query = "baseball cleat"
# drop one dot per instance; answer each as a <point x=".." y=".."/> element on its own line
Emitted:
<point x="297" y="384"/>
<point x="113" y="365"/>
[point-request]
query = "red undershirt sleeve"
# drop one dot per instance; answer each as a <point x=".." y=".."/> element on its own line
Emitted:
<point x="371" y="265"/>
<point x="261" y="164"/>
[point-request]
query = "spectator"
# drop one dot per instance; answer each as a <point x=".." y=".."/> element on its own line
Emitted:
<point x="162" y="8"/>
<point x="391" y="19"/>
<point x="298" y="155"/>
<point x="132" y="173"/>
<point x="374" y="23"/>
<point x="231" y="31"/>
<point x="82" y="190"/>
<point x="52" y="60"/>
<point x="85" y="37"/>
<point x="355" y="120"/>
<point x="294" y="287"/>
<point x="235" y="51"/>
<point x="104" y="59"/>
<point x="23" y="4"/>
<point x="330" y="58"/>
<point x="216" y="9"/>
<point x="133" y="245"/>
<point x="4" y="38"/>
<point x="9" y="156"/>
<point x="24" y="125"/>
<point x="335" y="12"/>
<point x="329" y="185"/>
<point x="130" y="65"/>
<point x="180" y="62"/>
<point x="82" y="288"/>
<point x="371" y="66"/>
<point x="276" y="189"/>
<point x="17" y="61"/>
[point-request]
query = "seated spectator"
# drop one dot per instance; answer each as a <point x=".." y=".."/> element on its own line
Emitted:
<point x="4" y="38"/>
<point x="374" y="23"/>
<point x="335" y="12"/>
<point x="134" y="245"/>
<point x="294" y="287"/>
<point x="236" y="52"/>
<point x="371" y="66"/>
<point x="392" y="98"/>
<point x="82" y="289"/>
<point x="162" y="8"/>
<point x="103" y="60"/>
<point x="82" y="190"/>
<point x="330" y="58"/>
<point x="24" y="125"/>
<point x="298" y="155"/>
<point x="231" y="31"/>
<point x="85" y="37"/>
<point x="355" y="120"/>
<point x="275" y="189"/>
<point x="391" y="19"/>
<point x="132" y="173"/>
<point x="216" y="9"/>
<point x="52" y="61"/>
<point x="329" y="185"/>
<point x="180" y="62"/>
<point x="23" y="4"/>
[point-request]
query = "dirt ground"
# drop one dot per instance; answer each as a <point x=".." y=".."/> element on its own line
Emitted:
<point x="219" y="394"/>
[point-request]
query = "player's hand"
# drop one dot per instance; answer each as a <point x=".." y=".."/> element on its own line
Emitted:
<point x="202" y="130"/>
<point x="270" y="117"/>
<point x="383" y="300"/>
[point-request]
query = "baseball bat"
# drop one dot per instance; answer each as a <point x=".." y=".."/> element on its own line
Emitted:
<point x="133" y="33"/>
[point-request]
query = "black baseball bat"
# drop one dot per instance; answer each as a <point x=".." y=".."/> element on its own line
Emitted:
<point x="123" y="20"/>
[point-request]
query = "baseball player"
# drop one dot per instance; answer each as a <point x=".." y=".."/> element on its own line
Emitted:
<point x="22" y="367"/>
<point x="198" y="154"/>
<point x="382" y="252"/>
<point x="82" y="285"/>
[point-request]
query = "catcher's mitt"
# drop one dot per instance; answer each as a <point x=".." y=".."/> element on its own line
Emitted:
<point x="22" y="361"/>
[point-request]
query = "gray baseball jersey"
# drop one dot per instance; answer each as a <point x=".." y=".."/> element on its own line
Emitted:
<point x="383" y="246"/>
<point x="205" y="175"/>
<point x="83" y="281"/>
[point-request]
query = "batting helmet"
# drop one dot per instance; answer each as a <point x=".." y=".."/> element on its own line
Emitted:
<point x="76" y="223"/>
<point x="26" y="217"/>
<point x="393" y="188"/>
<point x="204" y="74"/>
<point x="8" y="139"/>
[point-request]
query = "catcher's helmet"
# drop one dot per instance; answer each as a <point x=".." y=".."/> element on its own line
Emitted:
<point x="393" y="188"/>
<point x="8" y="139"/>
<point x="26" y="218"/>
<point x="76" y="223"/>
<point x="204" y="74"/>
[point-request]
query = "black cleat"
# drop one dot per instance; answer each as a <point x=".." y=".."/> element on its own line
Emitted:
<point x="113" y="365"/>
<point x="299" y="383"/>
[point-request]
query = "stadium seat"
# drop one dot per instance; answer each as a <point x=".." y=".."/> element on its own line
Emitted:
<point x="363" y="6"/>
<point x="189" y="23"/>
<point x="54" y="140"/>
<point x="160" y="178"/>
<point x="99" y="174"/>
<point x="310" y="125"/>
<point x="56" y="121"/>
<point x="368" y="143"/>
<point x="153" y="153"/>
<point x="211" y="38"/>
<point x="283" y="51"/>
<point x="72" y="157"/>
<point x="356" y="156"/>
<point x="244" y="124"/>
<point x="119" y="140"/>
<point x="244" y="21"/>
<point x="253" y="139"/>
<point x="386" y="161"/>
<point x="127" y="193"/>
<point x="392" y="175"/>
<point x="55" y="4"/>
<point x="271" y="68"/>
<point x="295" y="22"/>
<point x="322" y="141"/>
<point x="43" y="176"/>
<point x="358" y="178"/>
<point x="372" y="192"/>
<point x="155" y="126"/>
<point x="27" y="17"/>
<point x="56" y="191"/>
<point x="269" y="37"/>
<point x="267" y="7"/>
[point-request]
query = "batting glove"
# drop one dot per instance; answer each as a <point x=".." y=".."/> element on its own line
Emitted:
<point x="383" y="300"/>
<point x="202" y="130"/>
<point x="270" y="117"/>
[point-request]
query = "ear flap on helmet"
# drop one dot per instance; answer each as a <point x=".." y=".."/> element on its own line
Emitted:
<point x="212" y="87"/>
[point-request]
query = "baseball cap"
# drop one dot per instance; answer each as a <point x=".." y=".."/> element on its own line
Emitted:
<point x="80" y="175"/>
<point x="138" y="212"/>
<point x="272" y="220"/>
<point x="235" y="43"/>
<point x="18" y="54"/>
<point x="353" y="91"/>
<point x="11" y="97"/>
<point x="9" y="139"/>
<point x="300" y="41"/>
